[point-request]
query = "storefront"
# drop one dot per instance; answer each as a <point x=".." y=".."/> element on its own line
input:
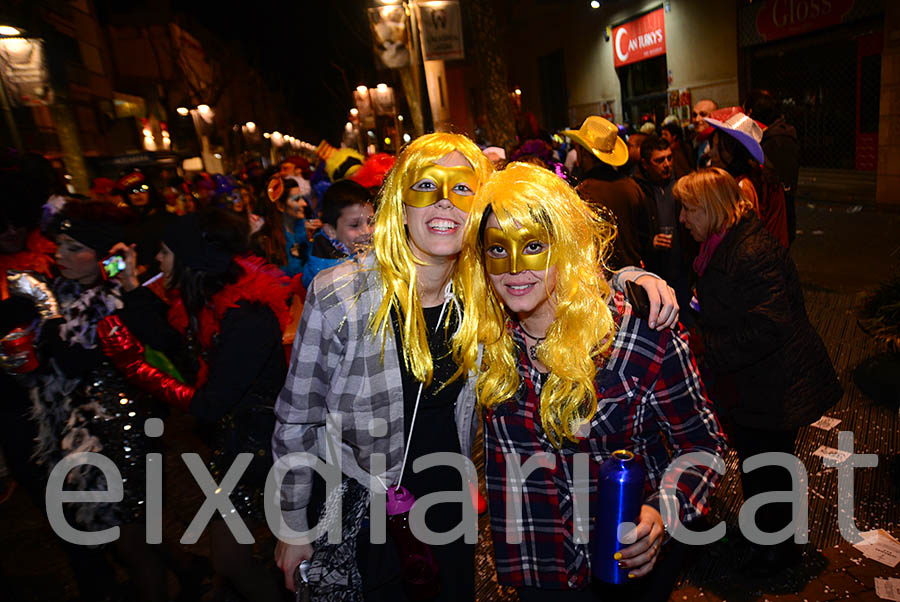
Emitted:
<point x="639" y="54"/>
<point x="636" y="61"/>
<point x="822" y="58"/>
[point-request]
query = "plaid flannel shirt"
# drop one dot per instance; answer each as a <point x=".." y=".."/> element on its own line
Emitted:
<point x="650" y="401"/>
<point x="338" y="370"/>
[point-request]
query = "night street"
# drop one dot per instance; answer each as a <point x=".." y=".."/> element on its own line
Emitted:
<point x="841" y="251"/>
<point x="387" y="233"/>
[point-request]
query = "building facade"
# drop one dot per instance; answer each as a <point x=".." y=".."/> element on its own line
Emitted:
<point x="829" y="61"/>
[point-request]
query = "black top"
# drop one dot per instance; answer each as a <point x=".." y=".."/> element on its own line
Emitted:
<point x="246" y="361"/>
<point x="435" y="426"/>
<point x="767" y="358"/>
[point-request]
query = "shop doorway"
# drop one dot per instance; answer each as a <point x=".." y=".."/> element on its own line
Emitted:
<point x="644" y="95"/>
<point x="829" y="84"/>
<point x="554" y="92"/>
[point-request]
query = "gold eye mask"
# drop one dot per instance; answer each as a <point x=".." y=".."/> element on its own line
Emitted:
<point x="509" y="252"/>
<point x="433" y="183"/>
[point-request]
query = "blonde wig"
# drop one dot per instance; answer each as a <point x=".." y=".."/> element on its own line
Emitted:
<point x="525" y="195"/>
<point x="392" y="251"/>
<point x="716" y="192"/>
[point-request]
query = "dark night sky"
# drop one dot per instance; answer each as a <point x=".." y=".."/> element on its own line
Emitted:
<point x="316" y="51"/>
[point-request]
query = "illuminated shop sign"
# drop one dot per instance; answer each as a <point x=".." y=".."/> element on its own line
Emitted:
<point x="641" y="39"/>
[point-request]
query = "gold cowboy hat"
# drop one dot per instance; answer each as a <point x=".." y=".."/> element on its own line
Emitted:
<point x="601" y="137"/>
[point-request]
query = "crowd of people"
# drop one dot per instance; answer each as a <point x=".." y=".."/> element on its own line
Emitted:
<point x="574" y="296"/>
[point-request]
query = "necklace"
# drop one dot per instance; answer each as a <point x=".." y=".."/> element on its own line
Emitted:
<point x="537" y="340"/>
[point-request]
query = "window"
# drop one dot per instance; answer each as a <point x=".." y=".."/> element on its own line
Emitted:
<point x="644" y="87"/>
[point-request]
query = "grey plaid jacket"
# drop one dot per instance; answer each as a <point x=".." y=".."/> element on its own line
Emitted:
<point x="338" y="372"/>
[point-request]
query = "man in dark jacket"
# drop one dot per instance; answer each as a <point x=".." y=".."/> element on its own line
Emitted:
<point x="666" y="247"/>
<point x="779" y="143"/>
<point x="603" y="185"/>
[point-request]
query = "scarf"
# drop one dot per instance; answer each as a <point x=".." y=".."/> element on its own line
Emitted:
<point x="707" y="249"/>
<point x="82" y="308"/>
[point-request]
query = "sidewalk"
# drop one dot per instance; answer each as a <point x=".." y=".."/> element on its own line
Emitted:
<point x="832" y="569"/>
<point x="839" y="252"/>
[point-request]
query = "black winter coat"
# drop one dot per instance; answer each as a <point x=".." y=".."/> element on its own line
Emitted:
<point x="247" y="368"/>
<point x="759" y="344"/>
<point x="779" y="143"/>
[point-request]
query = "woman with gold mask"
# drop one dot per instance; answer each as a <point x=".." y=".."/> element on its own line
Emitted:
<point x="568" y="368"/>
<point x="373" y="349"/>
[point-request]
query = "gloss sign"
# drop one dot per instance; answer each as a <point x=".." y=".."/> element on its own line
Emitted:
<point x="640" y="39"/>
<point x="782" y="18"/>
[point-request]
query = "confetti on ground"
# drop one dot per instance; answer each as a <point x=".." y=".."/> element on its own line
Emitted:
<point x="880" y="546"/>
<point x="838" y="455"/>
<point x="889" y="589"/>
<point x="826" y="423"/>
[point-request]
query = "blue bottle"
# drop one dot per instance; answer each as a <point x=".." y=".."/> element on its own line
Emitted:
<point x="620" y="494"/>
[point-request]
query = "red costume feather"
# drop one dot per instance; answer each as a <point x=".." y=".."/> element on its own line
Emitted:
<point x="260" y="283"/>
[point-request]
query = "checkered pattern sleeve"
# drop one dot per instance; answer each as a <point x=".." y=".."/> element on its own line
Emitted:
<point x="689" y="425"/>
<point x="301" y="407"/>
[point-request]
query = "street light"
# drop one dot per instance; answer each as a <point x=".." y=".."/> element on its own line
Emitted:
<point x="8" y="31"/>
<point x="183" y="111"/>
<point x="251" y="127"/>
<point x="354" y="111"/>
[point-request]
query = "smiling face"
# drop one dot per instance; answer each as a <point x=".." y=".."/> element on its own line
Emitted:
<point x="702" y="109"/>
<point x="295" y="205"/>
<point x="76" y="261"/>
<point x="519" y="268"/>
<point x="432" y="207"/>
<point x="354" y="226"/>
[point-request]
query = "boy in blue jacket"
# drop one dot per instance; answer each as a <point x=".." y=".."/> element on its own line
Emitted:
<point x="347" y="212"/>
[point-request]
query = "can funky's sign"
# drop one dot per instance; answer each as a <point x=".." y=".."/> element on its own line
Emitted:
<point x="640" y="39"/>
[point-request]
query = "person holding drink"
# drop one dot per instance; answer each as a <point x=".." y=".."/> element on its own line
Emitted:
<point x="666" y="248"/>
<point x="568" y="368"/>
